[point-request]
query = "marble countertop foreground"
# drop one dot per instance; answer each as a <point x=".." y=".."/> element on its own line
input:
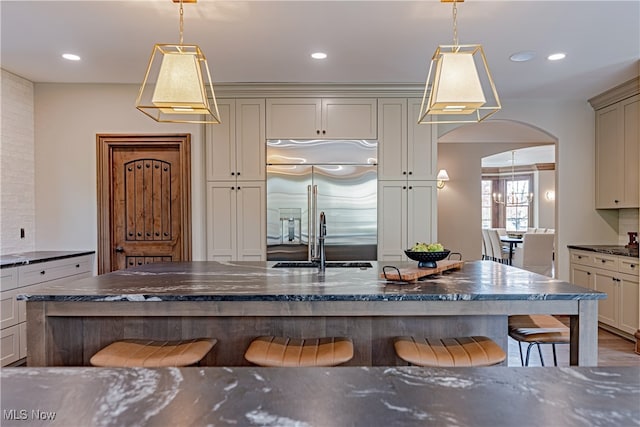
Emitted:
<point x="607" y="249"/>
<point x="304" y="397"/>
<point x="258" y="281"/>
<point x="25" y="258"/>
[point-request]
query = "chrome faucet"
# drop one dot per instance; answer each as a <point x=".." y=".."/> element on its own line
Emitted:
<point x="323" y="232"/>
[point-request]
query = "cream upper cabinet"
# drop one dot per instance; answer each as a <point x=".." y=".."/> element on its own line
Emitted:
<point x="406" y="150"/>
<point x="321" y="118"/>
<point x="618" y="154"/>
<point x="235" y="148"/>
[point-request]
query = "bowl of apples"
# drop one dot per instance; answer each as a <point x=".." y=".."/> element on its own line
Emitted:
<point x="427" y="254"/>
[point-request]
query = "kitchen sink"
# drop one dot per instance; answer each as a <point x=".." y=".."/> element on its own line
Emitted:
<point x="330" y="264"/>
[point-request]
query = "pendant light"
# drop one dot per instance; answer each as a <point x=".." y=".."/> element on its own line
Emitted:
<point x="459" y="86"/>
<point x="183" y="92"/>
<point x="513" y="198"/>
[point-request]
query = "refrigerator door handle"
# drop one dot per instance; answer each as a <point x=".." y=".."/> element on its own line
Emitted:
<point x="314" y="218"/>
<point x="309" y="232"/>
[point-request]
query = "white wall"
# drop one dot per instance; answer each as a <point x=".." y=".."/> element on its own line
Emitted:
<point x="17" y="179"/>
<point x="572" y="123"/>
<point x="545" y="208"/>
<point x="67" y="119"/>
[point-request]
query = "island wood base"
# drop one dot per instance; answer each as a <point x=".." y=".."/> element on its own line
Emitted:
<point x="69" y="333"/>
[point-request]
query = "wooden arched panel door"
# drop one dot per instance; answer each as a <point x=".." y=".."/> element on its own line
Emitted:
<point x="144" y="200"/>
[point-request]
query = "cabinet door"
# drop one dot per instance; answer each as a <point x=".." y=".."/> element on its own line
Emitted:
<point x="582" y="276"/>
<point x="422" y="222"/>
<point x="9" y="345"/>
<point x="630" y="110"/>
<point x="220" y="149"/>
<point x="422" y="147"/>
<point x="629" y="313"/>
<point x="392" y="220"/>
<point x="294" y="118"/>
<point x="250" y="139"/>
<point x="251" y="222"/>
<point x="609" y="154"/>
<point x="392" y="139"/>
<point x="9" y="305"/>
<point x="604" y="281"/>
<point x="221" y="221"/>
<point x="349" y="118"/>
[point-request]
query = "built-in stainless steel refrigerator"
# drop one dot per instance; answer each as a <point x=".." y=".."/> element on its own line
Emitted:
<point x="337" y="177"/>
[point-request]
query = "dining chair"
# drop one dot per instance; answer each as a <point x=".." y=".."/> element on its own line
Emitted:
<point x="500" y="253"/>
<point x="536" y="253"/>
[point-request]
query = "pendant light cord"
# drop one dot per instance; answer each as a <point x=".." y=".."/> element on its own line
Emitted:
<point x="181" y="22"/>
<point x="455" y="23"/>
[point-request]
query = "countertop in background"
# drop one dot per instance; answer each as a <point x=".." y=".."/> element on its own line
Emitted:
<point x="25" y="258"/>
<point x="607" y="249"/>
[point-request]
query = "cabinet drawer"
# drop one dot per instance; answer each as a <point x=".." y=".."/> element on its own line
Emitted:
<point x="608" y="262"/>
<point x="9" y="345"/>
<point x="9" y="313"/>
<point x="8" y="278"/>
<point x="582" y="257"/>
<point x="628" y="265"/>
<point x="47" y="271"/>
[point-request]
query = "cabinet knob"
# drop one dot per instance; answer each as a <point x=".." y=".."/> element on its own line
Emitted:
<point x="616" y="201"/>
<point x="317" y="131"/>
<point x="588" y="273"/>
<point x="404" y="172"/>
<point x="410" y="187"/>
<point x="632" y="265"/>
<point x="233" y="173"/>
<point x="324" y="131"/>
<point x="238" y="174"/>
<point x="238" y="188"/>
<point x="404" y="187"/>
<point x="233" y="188"/>
<point x="410" y="173"/>
<point x="604" y="260"/>
<point x="42" y="272"/>
<point x="77" y="265"/>
<point x="579" y="257"/>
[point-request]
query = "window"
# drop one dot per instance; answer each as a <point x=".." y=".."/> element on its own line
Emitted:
<point x="515" y="211"/>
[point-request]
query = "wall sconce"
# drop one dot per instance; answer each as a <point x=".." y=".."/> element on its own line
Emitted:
<point x="550" y="195"/>
<point x="442" y="177"/>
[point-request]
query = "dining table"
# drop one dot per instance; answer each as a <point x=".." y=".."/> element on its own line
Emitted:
<point x="513" y="242"/>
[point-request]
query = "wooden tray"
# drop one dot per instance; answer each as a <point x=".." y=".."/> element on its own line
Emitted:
<point x="414" y="273"/>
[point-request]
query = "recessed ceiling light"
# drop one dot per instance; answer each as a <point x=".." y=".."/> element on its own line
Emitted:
<point x="318" y="55"/>
<point x="71" y="57"/>
<point x="525" y="55"/>
<point x="556" y="56"/>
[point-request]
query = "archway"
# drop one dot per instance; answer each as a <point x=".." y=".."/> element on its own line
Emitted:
<point x="460" y="152"/>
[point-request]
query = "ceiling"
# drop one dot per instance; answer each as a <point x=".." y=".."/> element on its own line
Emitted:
<point x="522" y="157"/>
<point x="366" y="41"/>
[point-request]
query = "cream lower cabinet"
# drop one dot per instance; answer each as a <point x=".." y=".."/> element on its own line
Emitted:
<point x="617" y="276"/>
<point x="236" y="221"/>
<point x="321" y="118"/>
<point x="406" y="215"/>
<point x="27" y="279"/>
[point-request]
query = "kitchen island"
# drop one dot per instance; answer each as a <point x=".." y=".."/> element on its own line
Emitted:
<point x="342" y="396"/>
<point x="237" y="301"/>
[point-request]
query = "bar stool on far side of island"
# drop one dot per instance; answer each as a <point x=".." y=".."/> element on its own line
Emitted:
<point x="449" y="352"/>
<point x="144" y="353"/>
<point x="272" y="351"/>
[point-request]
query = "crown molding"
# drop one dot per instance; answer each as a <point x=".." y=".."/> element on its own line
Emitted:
<point x="618" y="93"/>
<point x="299" y="90"/>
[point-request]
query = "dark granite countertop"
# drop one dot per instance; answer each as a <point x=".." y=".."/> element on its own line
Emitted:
<point x="304" y="397"/>
<point x="607" y="249"/>
<point x="258" y="281"/>
<point x="24" y="258"/>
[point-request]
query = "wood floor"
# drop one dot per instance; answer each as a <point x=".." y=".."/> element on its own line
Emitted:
<point x="613" y="350"/>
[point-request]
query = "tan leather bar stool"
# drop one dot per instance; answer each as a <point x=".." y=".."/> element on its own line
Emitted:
<point x="449" y="352"/>
<point x="538" y="329"/>
<point x="153" y="354"/>
<point x="295" y="352"/>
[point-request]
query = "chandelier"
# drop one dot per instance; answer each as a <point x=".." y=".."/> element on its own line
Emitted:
<point x="513" y="197"/>
<point x="182" y="84"/>
<point x="461" y="90"/>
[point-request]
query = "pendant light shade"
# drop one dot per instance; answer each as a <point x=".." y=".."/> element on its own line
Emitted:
<point x="459" y="86"/>
<point x="177" y="86"/>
